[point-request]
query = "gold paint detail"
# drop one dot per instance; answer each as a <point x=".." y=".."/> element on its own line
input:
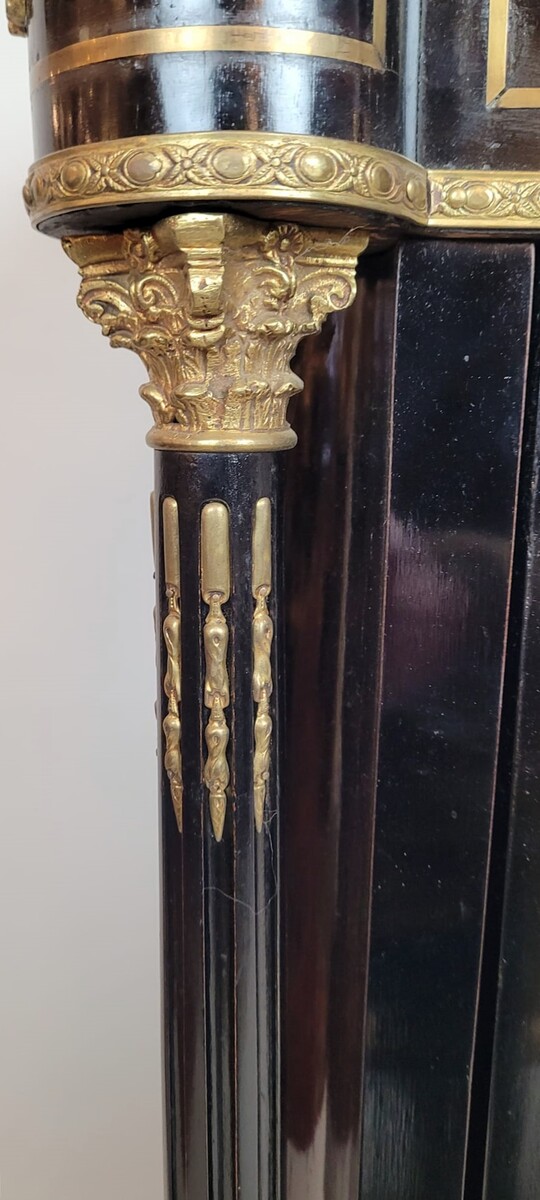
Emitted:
<point x="215" y="167"/>
<point x="498" y="94"/>
<point x="215" y="591"/>
<point x="171" y="636"/>
<point x="484" y="200"/>
<point x="263" y="632"/>
<point x="18" y="16"/>
<point x="215" y="306"/>
<point x="204" y="39"/>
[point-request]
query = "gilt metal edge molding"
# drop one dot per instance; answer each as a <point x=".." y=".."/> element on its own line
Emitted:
<point x="347" y="177"/>
<point x="484" y="200"/>
<point x="215" y="167"/>
<point x="263" y="633"/>
<point x="172" y="729"/>
<point x="215" y="592"/>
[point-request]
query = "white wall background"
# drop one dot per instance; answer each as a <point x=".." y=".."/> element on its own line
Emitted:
<point x="80" y="1086"/>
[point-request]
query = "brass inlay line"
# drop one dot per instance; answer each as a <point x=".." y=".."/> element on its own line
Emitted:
<point x="263" y="632"/>
<point x="189" y="39"/>
<point x="171" y="637"/>
<point x="497" y="93"/>
<point x="215" y="591"/>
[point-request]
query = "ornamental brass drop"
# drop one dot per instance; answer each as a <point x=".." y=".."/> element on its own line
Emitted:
<point x="171" y="636"/>
<point x="263" y="632"/>
<point x="215" y="591"/>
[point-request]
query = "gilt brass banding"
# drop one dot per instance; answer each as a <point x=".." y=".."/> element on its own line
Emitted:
<point x="215" y="591"/>
<point x="189" y="39"/>
<point x="484" y="200"/>
<point x="215" y="167"/>
<point x="263" y="632"/>
<point x="172" y="437"/>
<point x="172" y="730"/>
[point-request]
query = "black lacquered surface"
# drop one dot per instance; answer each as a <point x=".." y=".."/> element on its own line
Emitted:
<point x="58" y="23"/>
<point x="220" y="900"/>
<point x="513" y="1158"/>
<point x="336" y="498"/>
<point x="460" y="369"/>
<point x="398" y="569"/>
<point x="199" y="92"/>
<point x="459" y="125"/>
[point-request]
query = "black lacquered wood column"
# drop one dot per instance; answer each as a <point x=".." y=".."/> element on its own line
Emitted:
<point x="220" y="898"/>
<point x="216" y="306"/>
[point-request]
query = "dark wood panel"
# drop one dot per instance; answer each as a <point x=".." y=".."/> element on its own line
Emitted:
<point x="336" y="506"/>
<point x="459" y="124"/>
<point x="513" y="1163"/>
<point x="460" y="367"/>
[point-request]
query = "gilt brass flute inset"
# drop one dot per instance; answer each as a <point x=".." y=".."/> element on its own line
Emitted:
<point x="263" y="632"/>
<point x="171" y="637"/>
<point x="215" y="591"/>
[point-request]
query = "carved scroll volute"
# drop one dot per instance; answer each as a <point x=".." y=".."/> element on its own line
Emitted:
<point x="215" y="306"/>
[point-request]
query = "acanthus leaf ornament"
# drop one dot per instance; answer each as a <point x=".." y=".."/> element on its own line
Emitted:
<point x="18" y="16"/>
<point x="215" y="306"/>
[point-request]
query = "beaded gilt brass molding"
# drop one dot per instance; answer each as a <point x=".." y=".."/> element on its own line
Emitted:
<point x="485" y="200"/>
<point x="215" y="306"/>
<point x="232" y="166"/>
<point x="345" y="178"/>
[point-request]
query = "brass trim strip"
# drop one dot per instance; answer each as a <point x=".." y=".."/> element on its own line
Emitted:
<point x="241" y="39"/>
<point x="215" y="591"/>
<point x="263" y="633"/>
<point x="498" y="95"/>
<point x="171" y="635"/>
